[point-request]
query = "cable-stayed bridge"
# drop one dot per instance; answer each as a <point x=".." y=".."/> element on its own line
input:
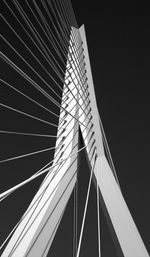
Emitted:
<point x="49" y="95"/>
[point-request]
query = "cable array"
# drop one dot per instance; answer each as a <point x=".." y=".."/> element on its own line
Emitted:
<point x="43" y="64"/>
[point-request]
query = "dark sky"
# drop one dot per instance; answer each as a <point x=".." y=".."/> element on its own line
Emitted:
<point x="119" y="47"/>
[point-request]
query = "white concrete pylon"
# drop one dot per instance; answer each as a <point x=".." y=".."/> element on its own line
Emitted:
<point x="123" y="224"/>
<point x="38" y="226"/>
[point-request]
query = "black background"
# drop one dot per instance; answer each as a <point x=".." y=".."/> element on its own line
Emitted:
<point x="118" y="41"/>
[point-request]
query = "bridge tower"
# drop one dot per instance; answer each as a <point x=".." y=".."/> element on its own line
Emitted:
<point x="36" y="230"/>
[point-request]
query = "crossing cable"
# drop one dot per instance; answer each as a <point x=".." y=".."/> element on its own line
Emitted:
<point x="80" y="43"/>
<point x="106" y="144"/>
<point x="80" y="82"/>
<point x="34" y="203"/>
<point x="48" y="149"/>
<point x="30" y="98"/>
<point x="70" y="24"/>
<point x="62" y="127"/>
<point x="32" y="153"/>
<point x="67" y="49"/>
<point x="83" y="67"/>
<point x="9" y="191"/>
<point x="85" y="209"/>
<point x="28" y="209"/>
<point x="62" y="80"/>
<point x="6" y="59"/>
<point x="27" y="20"/>
<point x="83" y="94"/>
<point x="27" y="63"/>
<point x="104" y="137"/>
<point x="76" y="77"/>
<point x="14" y="188"/>
<point x="75" y="56"/>
<point x="107" y="150"/>
<point x="60" y="27"/>
<point x="62" y="119"/>
<point x="78" y="71"/>
<point x="68" y="135"/>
